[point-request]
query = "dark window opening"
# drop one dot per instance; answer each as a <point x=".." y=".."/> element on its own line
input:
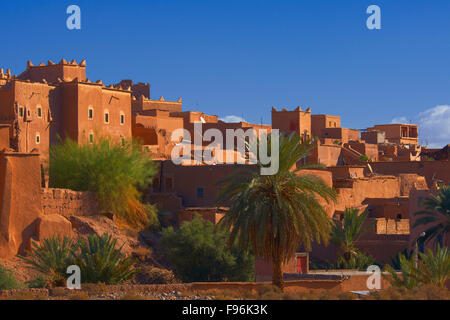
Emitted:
<point x="399" y="216"/>
<point x="200" y="192"/>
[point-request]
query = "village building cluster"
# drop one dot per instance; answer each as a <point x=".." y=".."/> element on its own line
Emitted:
<point x="382" y="169"/>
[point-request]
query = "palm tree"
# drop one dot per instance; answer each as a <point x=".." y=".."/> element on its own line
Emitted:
<point x="436" y="216"/>
<point x="344" y="235"/>
<point x="274" y="214"/>
<point x="432" y="269"/>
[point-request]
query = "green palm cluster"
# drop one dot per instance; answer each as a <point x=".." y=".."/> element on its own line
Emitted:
<point x="430" y="269"/>
<point x="345" y="234"/>
<point x="100" y="261"/>
<point x="52" y="257"/>
<point x="97" y="257"/>
<point x="273" y="215"/>
<point x="436" y="216"/>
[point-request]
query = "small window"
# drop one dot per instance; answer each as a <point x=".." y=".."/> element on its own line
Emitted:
<point x="335" y="124"/>
<point x="106" y="117"/>
<point x="399" y="216"/>
<point x="39" y="112"/>
<point x="20" y="111"/>
<point x="200" y="192"/>
<point x="90" y="113"/>
<point x="38" y="138"/>
<point x="91" y="137"/>
<point x="122" y="118"/>
<point x="329" y="124"/>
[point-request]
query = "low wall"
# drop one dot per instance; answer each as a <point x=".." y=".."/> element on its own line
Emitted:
<point x="68" y="202"/>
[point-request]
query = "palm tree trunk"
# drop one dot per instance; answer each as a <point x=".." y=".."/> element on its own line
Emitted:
<point x="277" y="276"/>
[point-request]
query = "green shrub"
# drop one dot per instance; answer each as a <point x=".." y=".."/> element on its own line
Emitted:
<point x="7" y="280"/>
<point x="395" y="262"/>
<point x="358" y="261"/>
<point x="100" y="261"/>
<point x="364" y="158"/>
<point x="37" y="283"/>
<point x="152" y="275"/>
<point x="433" y="269"/>
<point x="198" y="251"/>
<point x="114" y="171"/>
<point x="51" y="258"/>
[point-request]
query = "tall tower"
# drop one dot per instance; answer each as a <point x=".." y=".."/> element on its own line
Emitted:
<point x="297" y="121"/>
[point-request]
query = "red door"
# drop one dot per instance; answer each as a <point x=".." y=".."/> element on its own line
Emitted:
<point x="301" y="264"/>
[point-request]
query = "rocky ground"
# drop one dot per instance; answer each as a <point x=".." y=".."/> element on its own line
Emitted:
<point x="89" y="294"/>
<point x="20" y="269"/>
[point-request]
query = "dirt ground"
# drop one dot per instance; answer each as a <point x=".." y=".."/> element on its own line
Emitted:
<point x="20" y="269"/>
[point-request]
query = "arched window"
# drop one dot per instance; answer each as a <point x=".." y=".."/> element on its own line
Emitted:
<point x="38" y="138"/>
<point x="91" y="137"/>
<point x="39" y="111"/>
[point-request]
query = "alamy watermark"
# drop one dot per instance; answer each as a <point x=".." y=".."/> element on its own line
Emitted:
<point x="74" y="280"/>
<point x="251" y="147"/>
<point x="374" y="280"/>
<point x="374" y="20"/>
<point x="73" y="22"/>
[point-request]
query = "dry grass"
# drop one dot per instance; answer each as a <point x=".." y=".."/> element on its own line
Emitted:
<point x="270" y="292"/>
<point x="26" y="295"/>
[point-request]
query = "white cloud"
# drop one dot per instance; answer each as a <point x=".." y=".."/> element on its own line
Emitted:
<point x="232" y="118"/>
<point x="400" y="120"/>
<point x="434" y="126"/>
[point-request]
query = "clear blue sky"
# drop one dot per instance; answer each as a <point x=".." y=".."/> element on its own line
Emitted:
<point x="240" y="57"/>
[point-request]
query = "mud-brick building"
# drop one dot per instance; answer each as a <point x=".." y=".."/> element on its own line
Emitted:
<point x="48" y="101"/>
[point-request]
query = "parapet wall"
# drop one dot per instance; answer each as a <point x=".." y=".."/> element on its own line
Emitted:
<point x="68" y="202"/>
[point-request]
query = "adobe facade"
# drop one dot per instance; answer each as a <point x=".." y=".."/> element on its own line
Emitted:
<point x="381" y="169"/>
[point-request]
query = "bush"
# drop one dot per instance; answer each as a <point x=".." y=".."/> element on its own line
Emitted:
<point x="7" y="280"/>
<point x="114" y="171"/>
<point x="98" y="259"/>
<point x="51" y="258"/>
<point x="358" y="261"/>
<point x="364" y="158"/>
<point x="198" y="251"/>
<point x="37" y="283"/>
<point x="432" y="269"/>
<point x="152" y="275"/>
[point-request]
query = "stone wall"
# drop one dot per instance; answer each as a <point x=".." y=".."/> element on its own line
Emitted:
<point x="67" y="202"/>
